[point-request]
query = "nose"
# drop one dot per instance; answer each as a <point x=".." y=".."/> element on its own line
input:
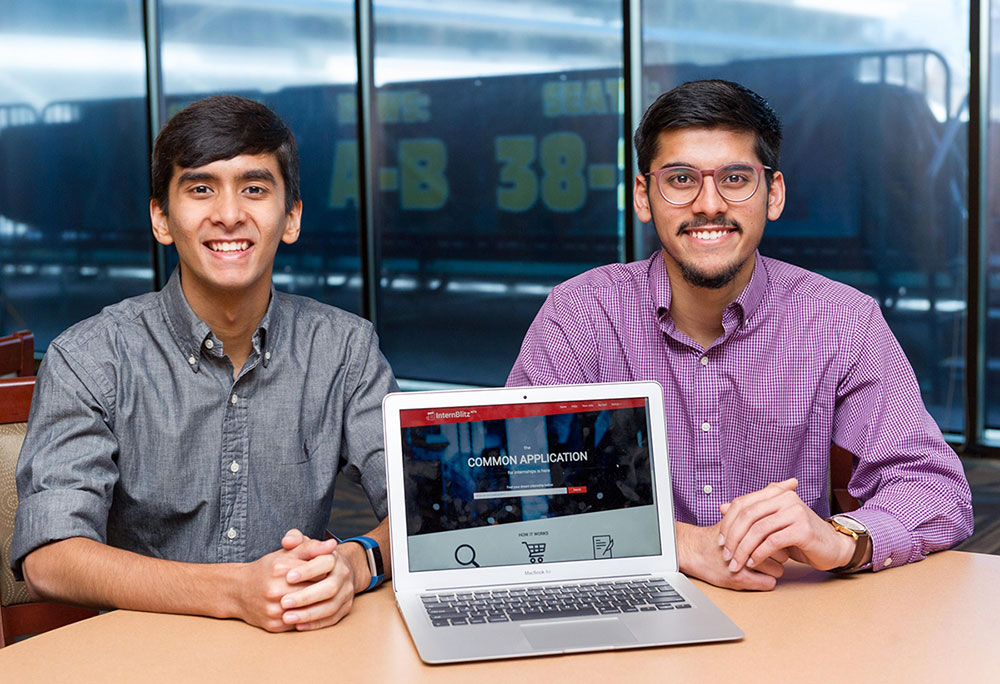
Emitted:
<point x="709" y="202"/>
<point x="227" y="209"/>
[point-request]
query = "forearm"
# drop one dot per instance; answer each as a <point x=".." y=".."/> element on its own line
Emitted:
<point x="85" y="572"/>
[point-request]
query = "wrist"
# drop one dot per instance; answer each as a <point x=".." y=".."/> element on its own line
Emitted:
<point x="354" y="554"/>
<point x="230" y="595"/>
<point x="848" y="545"/>
<point x="858" y="541"/>
<point x="685" y="554"/>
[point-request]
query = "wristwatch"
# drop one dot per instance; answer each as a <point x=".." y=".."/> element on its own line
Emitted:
<point x="374" y="554"/>
<point x="852" y="528"/>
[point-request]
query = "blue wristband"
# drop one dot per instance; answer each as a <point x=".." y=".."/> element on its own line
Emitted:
<point x="374" y="554"/>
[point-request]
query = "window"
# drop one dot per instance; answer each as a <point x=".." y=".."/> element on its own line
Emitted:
<point x="498" y="172"/>
<point x="874" y="101"/>
<point x="991" y="228"/>
<point x="498" y="158"/>
<point x="74" y="180"/>
<point x="298" y="58"/>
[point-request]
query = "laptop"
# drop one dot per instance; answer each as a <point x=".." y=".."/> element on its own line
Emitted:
<point x="537" y="520"/>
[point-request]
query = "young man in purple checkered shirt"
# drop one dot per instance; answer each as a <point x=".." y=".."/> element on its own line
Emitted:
<point x="763" y="365"/>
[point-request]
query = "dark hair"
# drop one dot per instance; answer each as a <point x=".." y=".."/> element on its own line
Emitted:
<point x="223" y="127"/>
<point x="710" y="104"/>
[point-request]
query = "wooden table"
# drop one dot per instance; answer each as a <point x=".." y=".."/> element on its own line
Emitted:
<point x="937" y="620"/>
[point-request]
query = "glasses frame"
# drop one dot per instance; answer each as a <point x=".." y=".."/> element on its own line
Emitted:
<point x="759" y="168"/>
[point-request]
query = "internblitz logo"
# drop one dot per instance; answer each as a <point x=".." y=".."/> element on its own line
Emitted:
<point x="445" y="415"/>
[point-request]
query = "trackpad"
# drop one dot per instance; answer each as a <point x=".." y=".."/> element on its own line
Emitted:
<point x="572" y="635"/>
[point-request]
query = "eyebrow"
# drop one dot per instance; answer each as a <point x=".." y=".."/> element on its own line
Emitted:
<point x="188" y="176"/>
<point x="258" y="174"/>
<point x="249" y="174"/>
<point x="694" y="166"/>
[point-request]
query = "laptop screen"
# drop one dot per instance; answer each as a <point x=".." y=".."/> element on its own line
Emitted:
<point x="528" y="483"/>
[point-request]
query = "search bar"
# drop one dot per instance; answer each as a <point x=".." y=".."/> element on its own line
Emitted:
<point x="519" y="493"/>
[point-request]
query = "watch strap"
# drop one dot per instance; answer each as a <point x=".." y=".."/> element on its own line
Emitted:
<point x="374" y="555"/>
<point x="863" y="542"/>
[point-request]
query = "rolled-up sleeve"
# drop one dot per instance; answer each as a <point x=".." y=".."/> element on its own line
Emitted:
<point x="364" y="444"/>
<point x="915" y="497"/>
<point x="66" y="472"/>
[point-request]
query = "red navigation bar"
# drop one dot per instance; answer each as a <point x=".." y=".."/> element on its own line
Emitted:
<point x="470" y="414"/>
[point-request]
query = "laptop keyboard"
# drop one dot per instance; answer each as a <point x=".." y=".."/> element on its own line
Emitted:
<point x="545" y="602"/>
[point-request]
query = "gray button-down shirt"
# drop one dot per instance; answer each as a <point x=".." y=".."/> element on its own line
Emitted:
<point x="140" y="438"/>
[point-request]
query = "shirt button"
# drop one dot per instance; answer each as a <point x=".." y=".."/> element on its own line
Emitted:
<point x="191" y="360"/>
<point x="234" y="398"/>
<point x="704" y="360"/>
<point x="267" y="355"/>
<point x="209" y="344"/>
<point x="888" y="562"/>
<point x="234" y="467"/>
<point x="707" y="489"/>
<point x="705" y="427"/>
<point x="232" y="533"/>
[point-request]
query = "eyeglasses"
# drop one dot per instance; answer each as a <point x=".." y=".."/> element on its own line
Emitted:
<point x="681" y="185"/>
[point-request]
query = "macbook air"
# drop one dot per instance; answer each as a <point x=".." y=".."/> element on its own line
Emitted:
<point x="537" y="520"/>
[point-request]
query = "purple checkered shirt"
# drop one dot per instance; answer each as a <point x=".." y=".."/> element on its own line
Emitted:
<point x="803" y="362"/>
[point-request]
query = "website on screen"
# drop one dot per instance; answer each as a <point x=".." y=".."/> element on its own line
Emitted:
<point x="528" y="483"/>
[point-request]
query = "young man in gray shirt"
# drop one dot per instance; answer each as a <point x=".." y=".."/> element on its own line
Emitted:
<point x="180" y="440"/>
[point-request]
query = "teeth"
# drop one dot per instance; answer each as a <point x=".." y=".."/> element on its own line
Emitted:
<point x="232" y="246"/>
<point x="708" y="234"/>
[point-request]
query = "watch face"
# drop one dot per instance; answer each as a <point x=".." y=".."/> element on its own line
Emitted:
<point x="849" y="523"/>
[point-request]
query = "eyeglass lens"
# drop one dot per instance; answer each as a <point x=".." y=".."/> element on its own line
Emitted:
<point x="681" y="184"/>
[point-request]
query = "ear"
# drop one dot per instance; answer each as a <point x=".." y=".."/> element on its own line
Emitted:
<point x="293" y="224"/>
<point x="640" y="198"/>
<point x="776" y="197"/>
<point x="158" y="219"/>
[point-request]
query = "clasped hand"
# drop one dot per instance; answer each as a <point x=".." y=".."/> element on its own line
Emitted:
<point x="307" y="584"/>
<point x="758" y="533"/>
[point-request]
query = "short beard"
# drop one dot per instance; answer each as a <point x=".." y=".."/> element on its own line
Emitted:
<point x="712" y="282"/>
<point x="698" y="278"/>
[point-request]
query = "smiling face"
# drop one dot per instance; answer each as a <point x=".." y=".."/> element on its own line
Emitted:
<point x="710" y="242"/>
<point x="226" y="219"/>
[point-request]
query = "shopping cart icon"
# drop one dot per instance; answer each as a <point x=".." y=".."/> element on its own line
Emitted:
<point x="535" y="552"/>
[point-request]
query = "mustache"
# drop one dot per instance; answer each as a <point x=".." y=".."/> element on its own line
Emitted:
<point x="702" y="221"/>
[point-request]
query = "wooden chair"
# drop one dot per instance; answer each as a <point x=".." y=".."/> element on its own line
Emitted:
<point x="841" y="468"/>
<point x="17" y="354"/>
<point x="19" y="615"/>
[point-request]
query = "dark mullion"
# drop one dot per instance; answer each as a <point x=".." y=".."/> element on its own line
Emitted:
<point x="365" y="94"/>
<point x="978" y="100"/>
<point x="155" y="107"/>
<point x="630" y="24"/>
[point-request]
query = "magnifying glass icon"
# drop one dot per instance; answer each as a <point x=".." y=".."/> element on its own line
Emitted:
<point x="466" y="555"/>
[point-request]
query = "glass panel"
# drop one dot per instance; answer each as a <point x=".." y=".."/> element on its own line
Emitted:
<point x="874" y="100"/>
<point x="298" y="58"/>
<point x="991" y="327"/>
<point x="74" y="184"/>
<point x="498" y="167"/>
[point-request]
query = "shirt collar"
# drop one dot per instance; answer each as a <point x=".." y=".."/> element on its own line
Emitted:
<point x="659" y="284"/>
<point x="193" y="336"/>
<point x="748" y="301"/>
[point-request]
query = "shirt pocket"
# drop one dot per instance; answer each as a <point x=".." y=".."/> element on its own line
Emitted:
<point x="299" y="452"/>
<point x="772" y="452"/>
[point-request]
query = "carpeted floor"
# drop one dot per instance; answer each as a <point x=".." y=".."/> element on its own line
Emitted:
<point x="352" y="513"/>
<point x="984" y="479"/>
